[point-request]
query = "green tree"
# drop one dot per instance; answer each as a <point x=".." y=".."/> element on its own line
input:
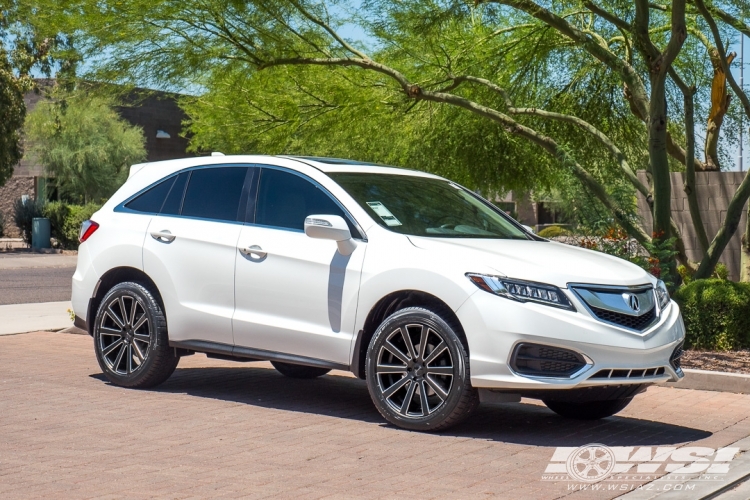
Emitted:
<point x="553" y="75"/>
<point x="23" y="47"/>
<point x="83" y="144"/>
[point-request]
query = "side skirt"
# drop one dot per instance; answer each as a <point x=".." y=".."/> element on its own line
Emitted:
<point x="227" y="351"/>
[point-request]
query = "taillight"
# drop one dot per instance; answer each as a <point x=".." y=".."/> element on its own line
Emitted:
<point x="87" y="229"/>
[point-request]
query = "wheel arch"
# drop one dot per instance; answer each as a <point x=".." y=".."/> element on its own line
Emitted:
<point x="395" y="301"/>
<point x="110" y="279"/>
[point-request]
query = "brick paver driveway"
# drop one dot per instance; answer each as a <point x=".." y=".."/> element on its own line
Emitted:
<point x="232" y="429"/>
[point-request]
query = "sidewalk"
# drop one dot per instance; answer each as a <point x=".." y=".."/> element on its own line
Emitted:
<point x="22" y="318"/>
<point x="27" y="260"/>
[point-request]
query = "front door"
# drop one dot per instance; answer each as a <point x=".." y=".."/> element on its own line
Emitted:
<point x="189" y="253"/>
<point x="294" y="294"/>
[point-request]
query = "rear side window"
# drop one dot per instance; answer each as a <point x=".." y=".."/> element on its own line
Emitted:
<point x="214" y="193"/>
<point x="151" y="200"/>
<point x="285" y="200"/>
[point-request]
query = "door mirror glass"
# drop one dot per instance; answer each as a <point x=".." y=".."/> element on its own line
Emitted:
<point x="330" y="227"/>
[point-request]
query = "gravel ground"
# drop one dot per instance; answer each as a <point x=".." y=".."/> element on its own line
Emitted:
<point x="733" y="361"/>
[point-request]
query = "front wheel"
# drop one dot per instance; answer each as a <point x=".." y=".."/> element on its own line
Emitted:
<point x="130" y="338"/>
<point x="418" y="372"/>
<point x="591" y="410"/>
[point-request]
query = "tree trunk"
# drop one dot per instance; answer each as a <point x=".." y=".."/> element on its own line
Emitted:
<point x="719" y="108"/>
<point x="662" y="182"/>
<point x="745" y="252"/>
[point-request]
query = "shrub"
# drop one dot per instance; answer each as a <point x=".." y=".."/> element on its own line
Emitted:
<point x="553" y="231"/>
<point x="65" y="221"/>
<point x="720" y="272"/>
<point x="716" y="314"/>
<point x="23" y="215"/>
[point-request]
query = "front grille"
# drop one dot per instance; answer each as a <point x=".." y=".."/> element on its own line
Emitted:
<point x="546" y="361"/>
<point x="639" y="323"/>
<point x="631" y="374"/>
<point x="675" y="358"/>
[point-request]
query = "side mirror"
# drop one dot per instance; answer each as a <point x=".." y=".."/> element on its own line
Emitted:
<point x="528" y="228"/>
<point x="330" y="227"/>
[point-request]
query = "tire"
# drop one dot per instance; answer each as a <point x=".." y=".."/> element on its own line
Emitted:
<point x="414" y="391"/>
<point x="130" y="338"/>
<point x="591" y="410"/>
<point x="299" y="371"/>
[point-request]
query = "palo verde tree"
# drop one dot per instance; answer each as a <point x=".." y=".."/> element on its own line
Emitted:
<point x="495" y="59"/>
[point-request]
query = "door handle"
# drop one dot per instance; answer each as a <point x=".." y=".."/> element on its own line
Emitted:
<point x="164" y="236"/>
<point x="253" y="251"/>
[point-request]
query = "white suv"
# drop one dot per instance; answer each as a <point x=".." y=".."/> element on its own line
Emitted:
<point x="430" y="293"/>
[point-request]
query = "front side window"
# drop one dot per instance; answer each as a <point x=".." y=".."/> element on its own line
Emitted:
<point x="286" y="199"/>
<point x="215" y="193"/>
<point x="423" y="206"/>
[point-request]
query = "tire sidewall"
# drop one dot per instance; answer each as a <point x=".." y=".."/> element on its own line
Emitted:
<point x="461" y="379"/>
<point x="152" y="311"/>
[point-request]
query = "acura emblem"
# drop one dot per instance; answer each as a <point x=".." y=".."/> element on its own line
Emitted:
<point x="632" y="301"/>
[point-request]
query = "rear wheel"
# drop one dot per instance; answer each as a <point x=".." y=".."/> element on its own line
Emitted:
<point x="591" y="410"/>
<point x="418" y="372"/>
<point x="130" y="338"/>
<point x="299" y="371"/>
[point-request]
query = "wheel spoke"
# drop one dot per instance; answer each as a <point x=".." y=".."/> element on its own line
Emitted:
<point x="383" y="369"/>
<point x="111" y="313"/>
<point x="141" y="321"/>
<point x="104" y="330"/>
<point x="407" y="340"/>
<point x="129" y="364"/>
<point x="408" y="398"/>
<point x="116" y="364"/>
<point x="114" y="345"/>
<point x="395" y="387"/>
<point x="133" y="305"/>
<point x="437" y="351"/>
<point x="436" y="387"/>
<point x="138" y="352"/>
<point x="142" y="337"/>
<point x="396" y="352"/>
<point x="423" y="341"/>
<point x="423" y="399"/>
<point x="440" y="370"/>
<point x="124" y="311"/>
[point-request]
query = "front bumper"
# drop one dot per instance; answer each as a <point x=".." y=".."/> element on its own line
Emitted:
<point x="494" y="326"/>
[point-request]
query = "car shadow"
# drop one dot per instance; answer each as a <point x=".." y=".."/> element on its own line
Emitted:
<point x="346" y="397"/>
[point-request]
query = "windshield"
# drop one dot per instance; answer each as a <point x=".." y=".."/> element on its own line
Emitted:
<point x="422" y="206"/>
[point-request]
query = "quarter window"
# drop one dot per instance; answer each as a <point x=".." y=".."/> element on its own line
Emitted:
<point x="214" y="193"/>
<point x="151" y="200"/>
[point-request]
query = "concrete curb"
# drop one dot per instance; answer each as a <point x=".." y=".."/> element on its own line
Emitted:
<point x="704" y="380"/>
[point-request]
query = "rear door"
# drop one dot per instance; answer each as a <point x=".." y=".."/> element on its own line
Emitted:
<point x="189" y="251"/>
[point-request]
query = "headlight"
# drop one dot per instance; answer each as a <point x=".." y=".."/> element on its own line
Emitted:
<point x="662" y="294"/>
<point x="522" y="291"/>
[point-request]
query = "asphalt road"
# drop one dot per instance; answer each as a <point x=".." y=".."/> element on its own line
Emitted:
<point x="36" y="284"/>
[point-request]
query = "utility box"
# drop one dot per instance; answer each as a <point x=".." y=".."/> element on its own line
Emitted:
<point x="40" y="233"/>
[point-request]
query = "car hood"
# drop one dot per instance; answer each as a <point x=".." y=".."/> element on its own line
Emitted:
<point x="542" y="261"/>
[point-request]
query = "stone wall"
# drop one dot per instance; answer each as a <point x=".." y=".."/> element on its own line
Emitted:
<point x="9" y="193"/>
<point x="714" y="192"/>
